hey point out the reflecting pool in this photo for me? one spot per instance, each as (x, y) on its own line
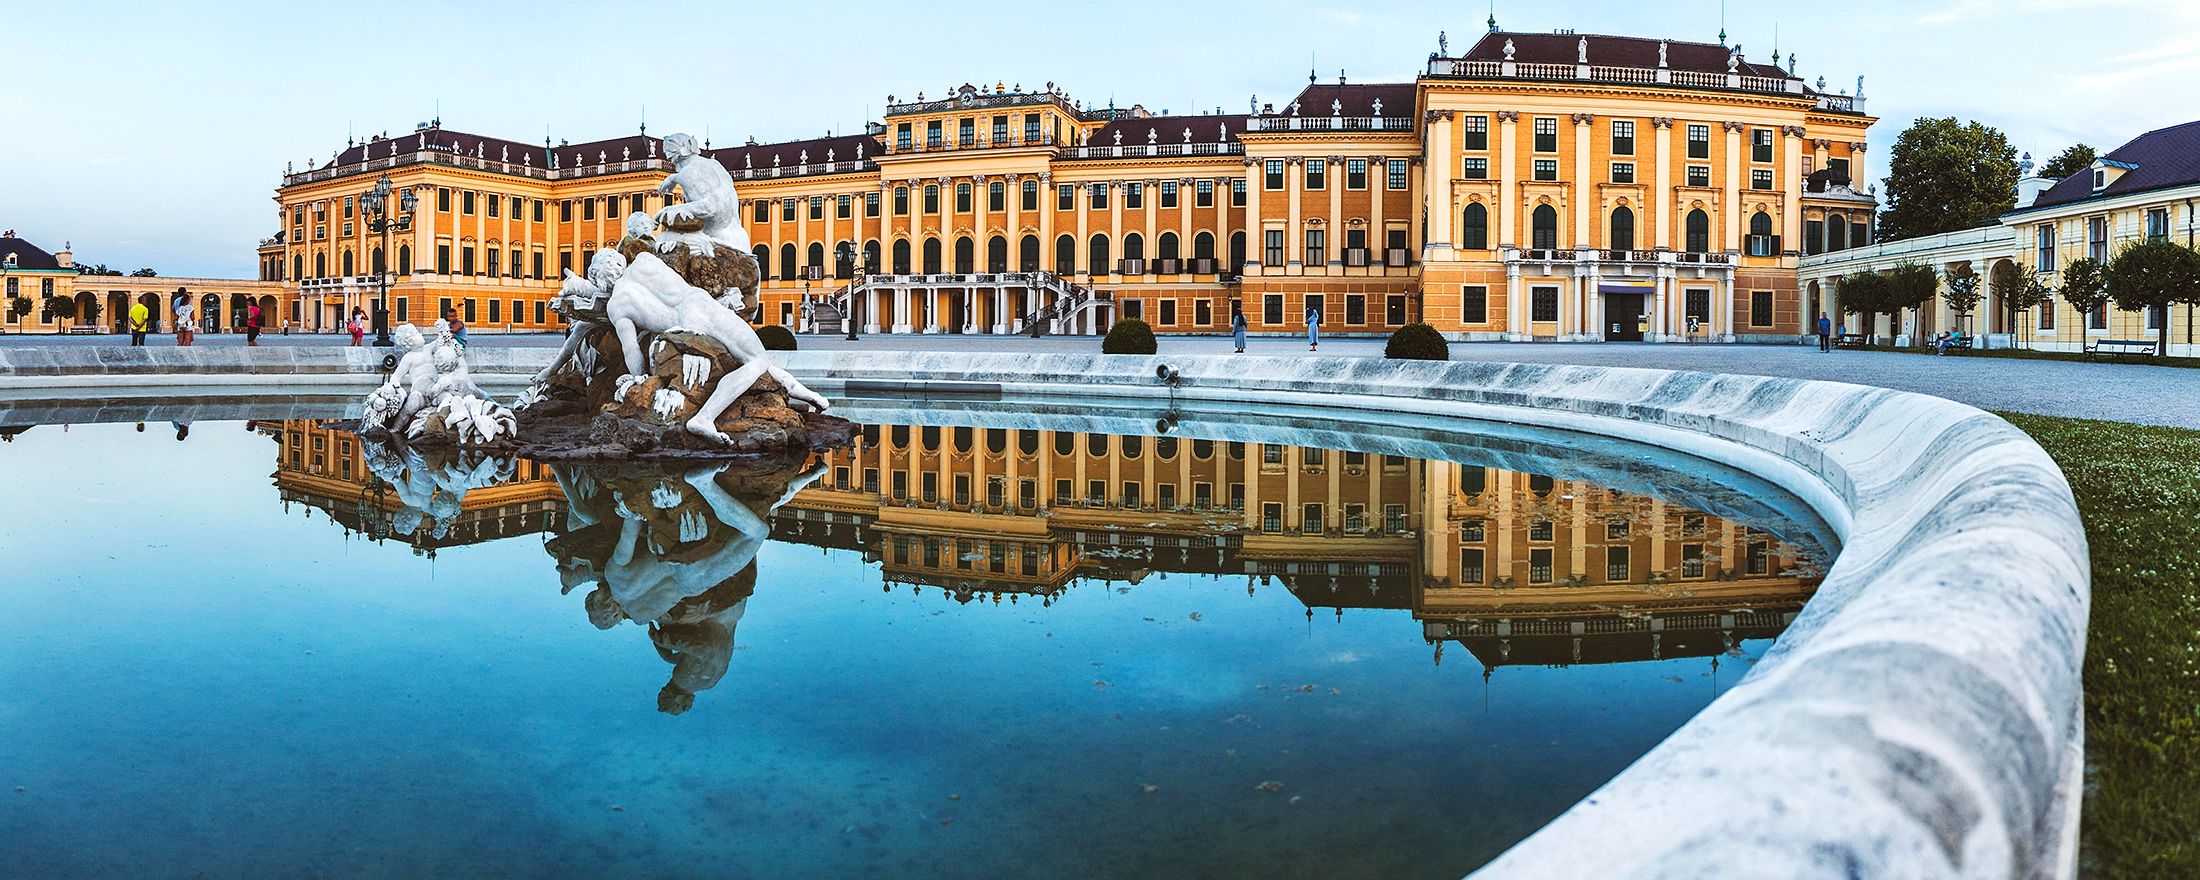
(981, 643)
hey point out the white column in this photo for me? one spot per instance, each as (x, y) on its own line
(1508, 192)
(1516, 306)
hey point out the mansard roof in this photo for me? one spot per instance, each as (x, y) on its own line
(1610, 51)
(28, 257)
(2159, 159)
(1357, 100)
(792, 154)
(442, 140)
(1221, 129)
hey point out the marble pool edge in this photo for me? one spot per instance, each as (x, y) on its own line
(1921, 718)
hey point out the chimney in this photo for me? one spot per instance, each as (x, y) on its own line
(66, 259)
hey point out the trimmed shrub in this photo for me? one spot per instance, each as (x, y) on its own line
(1128, 336)
(1417, 342)
(775, 338)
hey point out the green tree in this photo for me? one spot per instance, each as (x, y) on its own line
(144, 273)
(1962, 294)
(1864, 294)
(2151, 275)
(57, 309)
(88, 311)
(2018, 288)
(2084, 286)
(97, 269)
(1944, 176)
(21, 306)
(2076, 158)
(1909, 286)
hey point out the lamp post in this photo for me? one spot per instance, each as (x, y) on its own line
(375, 206)
(847, 257)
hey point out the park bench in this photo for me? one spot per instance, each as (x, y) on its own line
(1962, 341)
(2120, 347)
(1849, 340)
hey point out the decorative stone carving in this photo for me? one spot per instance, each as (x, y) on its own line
(1582, 51)
(431, 398)
(1508, 49)
(1584, 118)
(1730, 125)
(1794, 131)
(1661, 122)
(1822, 144)
(1434, 115)
(1661, 53)
(1508, 116)
(1857, 146)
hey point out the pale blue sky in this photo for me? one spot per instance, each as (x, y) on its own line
(154, 134)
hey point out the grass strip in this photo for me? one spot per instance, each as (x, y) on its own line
(2138, 488)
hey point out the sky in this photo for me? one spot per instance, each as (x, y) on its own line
(154, 134)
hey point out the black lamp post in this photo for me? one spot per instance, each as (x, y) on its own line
(375, 205)
(847, 257)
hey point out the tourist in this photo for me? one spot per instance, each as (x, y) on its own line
(1237, 328)
(1313, 328)
(183, 429)
(252, 318)
(358, 328)
(1825, 333)
(458, 327)
(139, 314)
(184, 325)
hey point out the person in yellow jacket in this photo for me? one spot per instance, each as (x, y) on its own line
(140, 318)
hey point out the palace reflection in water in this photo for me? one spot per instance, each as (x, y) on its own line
(1517, 568)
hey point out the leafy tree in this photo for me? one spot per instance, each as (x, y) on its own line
(1865, 294)
(1128, 336)
(1910, 285)
(58, 308)
(1962, 294)
(1944, 176)
(1417, 341)
(2018, 288)
(2151, 275)
(2076, 158)
(144, 273)
(97, 269)
(2084, 285)
(21, 305)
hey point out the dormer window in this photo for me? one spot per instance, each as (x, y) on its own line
(2100, 179)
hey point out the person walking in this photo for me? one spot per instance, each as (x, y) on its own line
(358, 327)
(1237, 328)
(1313, 328)
(185, 321)
(252, 318)
(1825, 333)
(139, 315)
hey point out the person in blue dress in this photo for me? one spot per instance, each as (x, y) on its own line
(1237, 329)
(1313, 329)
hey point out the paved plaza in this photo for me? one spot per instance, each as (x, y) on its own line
(2116, 391)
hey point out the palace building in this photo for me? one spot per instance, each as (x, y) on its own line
(1535, 187)
(101, 303)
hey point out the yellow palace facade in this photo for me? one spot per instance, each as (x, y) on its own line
(1534, 187)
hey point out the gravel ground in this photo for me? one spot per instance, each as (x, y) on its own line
(2115, 391)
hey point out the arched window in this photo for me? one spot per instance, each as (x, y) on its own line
(1837, 232)
(1134, 246)
(1699, 231)
(996, 440)
(1237, 253)
(1165, 247)
(1762, 243)
(1203, 246)
(1474, 227)
(1027, 260)
(348, 267)
(320, 265)
(844, 260)
(1065, 443)
(1760, 223)
(1545, 231)
(298, 266)
(1065, 255)
(996, 254)
(787, 268)
(379, 266)
(1096, 445)
(817, 254)
(404, 259)
(901, 256)
(1623, 229)
(870, 256)
(763, 261)
(931, 256)
(1027, 441)
(966, 256)
(1096, 259)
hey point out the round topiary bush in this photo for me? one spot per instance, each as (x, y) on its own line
(1417, 342)
(775, 338)
(1128, 336)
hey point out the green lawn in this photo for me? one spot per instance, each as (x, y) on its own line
(2026, 354)
(2139, 491)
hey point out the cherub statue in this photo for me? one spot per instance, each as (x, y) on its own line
(406, 391)
(649, 295)
(710, 218)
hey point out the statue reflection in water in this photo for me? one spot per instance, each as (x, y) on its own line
(430, 483)
(675, 550)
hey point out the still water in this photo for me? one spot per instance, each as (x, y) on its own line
(957, 650)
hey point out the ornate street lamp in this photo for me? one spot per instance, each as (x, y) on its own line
(847, 257)
(375, 205)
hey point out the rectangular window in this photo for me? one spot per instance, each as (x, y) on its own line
(1477, 129)
(1271, 306)
(786, 210)
(1168, 194)
(1546, 134)
(962, 198)
(1397, 174)
(565, 263)
(1203, 194)
(870, 204)
(442, 259)
(2047, 314)
(929, 484)
(1272, 249)
(1355, 174)
(901, 485)
(1474, 304)
(760, 211)
(1098, 195)
(1030, 199)
(1760, 178)
(538, 210)
(1310, 519)
(495, 204)
(932, 137)
(1760, 308)
(1000, 130)
(492, 264)
(931, 198)
(1760, 145)
(611, 207)
(1698, 305)
(1272, 174)
(542, 312)
(1623, 137)
(1168, 311)
(2157, 224)
(1031, 128)
(1757, 558)
(1134, 196)
(1699, 142)
(1131, 495)
(966, 132)
(468, 312)
(996, 194)
(1623, 172)
(1543, 305)
(1064, 492)
(1271, 517)
(1065, 197)
(565, 211)
(903, 140)
(442, 200)
(495, 315)
(1476, 169)
(466, 202)
(1470, 567)
(1355, 309)
(1027, 493)
(1615, 564)
(843, 207)
(1699, 175)
(1546, 169)
(1539, 565)
(1841, 165)
(962, 489)
(1237, 193)
(1096, 492)
(1691, 560)
(1317, 174)
(2044, 252)
(1317, 247)
(2096, 239)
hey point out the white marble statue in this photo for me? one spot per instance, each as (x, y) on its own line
(710, 218)
(649, 295)
(431, 380)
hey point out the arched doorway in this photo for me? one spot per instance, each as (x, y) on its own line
(966, 256)
(1028, 259)
(118, 311)
(88, 310)
(210, 313)
(153, 319)
(268, 318)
